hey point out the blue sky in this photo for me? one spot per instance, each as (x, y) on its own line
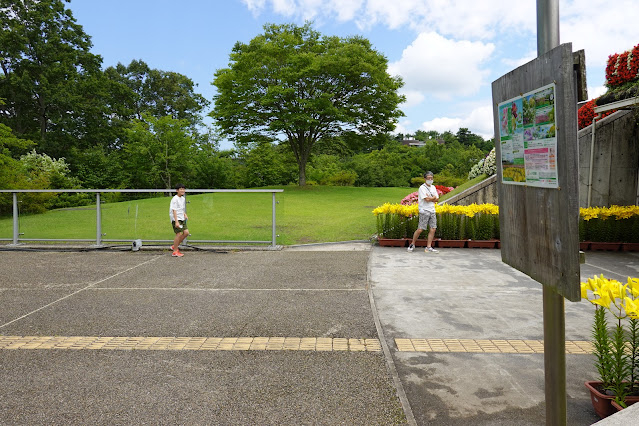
(447, 51)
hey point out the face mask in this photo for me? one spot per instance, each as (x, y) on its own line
(429, 182)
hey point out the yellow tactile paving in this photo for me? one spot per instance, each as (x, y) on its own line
(487, 346)
(315, 344)
(190, 343)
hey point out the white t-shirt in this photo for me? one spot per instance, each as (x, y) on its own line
(427, 191)
(178, 204)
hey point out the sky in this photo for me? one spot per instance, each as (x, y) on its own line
(448, 52)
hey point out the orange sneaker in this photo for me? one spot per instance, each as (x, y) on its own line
(176, 253)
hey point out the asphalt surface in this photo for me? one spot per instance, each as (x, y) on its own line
(333, 291)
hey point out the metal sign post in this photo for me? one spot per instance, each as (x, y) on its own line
(535, 118)
(553, 304)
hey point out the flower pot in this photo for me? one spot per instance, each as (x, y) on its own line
(605, 246)
(392, 242)
(482, 243)
(619, 407)
(615, 405)
(630, 246)
(451, 243)
(601, 402)
(584, 245)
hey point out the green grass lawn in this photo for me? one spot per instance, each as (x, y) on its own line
(303, 215)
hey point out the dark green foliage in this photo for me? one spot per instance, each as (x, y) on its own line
(633, 338)
(601, 347)
(449, 226)
(48, 71)
(621, 368)
(266, 164)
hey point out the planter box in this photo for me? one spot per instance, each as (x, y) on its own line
(602, 403)
(619, 407)
(630, 246)
(392, 242)
(605, 246)
(584, 245)
(482, 244)
(422, 242)
(450, 243)
(615, 405)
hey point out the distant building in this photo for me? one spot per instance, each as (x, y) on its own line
(413, 142)
(417, 143)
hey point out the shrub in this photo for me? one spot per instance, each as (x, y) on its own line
(342, 178)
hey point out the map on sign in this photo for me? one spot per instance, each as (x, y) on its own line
(528, 138)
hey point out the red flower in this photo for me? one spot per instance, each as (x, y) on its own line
(622, 68)
(586, 114)
(441, 190)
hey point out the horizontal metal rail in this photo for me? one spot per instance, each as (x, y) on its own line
(112, 240)
(99, 240)
(159, 191)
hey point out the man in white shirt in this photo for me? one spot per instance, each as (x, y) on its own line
(177, 211)
(427, 196)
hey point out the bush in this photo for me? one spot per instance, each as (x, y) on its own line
(486, 166)
(417, 182)
(342, 178)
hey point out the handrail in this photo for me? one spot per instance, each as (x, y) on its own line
(98, 240)
(140, 190)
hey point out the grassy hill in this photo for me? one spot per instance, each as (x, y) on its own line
(303, 215)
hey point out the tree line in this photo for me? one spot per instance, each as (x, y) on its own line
(300, 108)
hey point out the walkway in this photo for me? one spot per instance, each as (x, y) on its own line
(318, 334)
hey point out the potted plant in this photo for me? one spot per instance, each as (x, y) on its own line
(616, 349)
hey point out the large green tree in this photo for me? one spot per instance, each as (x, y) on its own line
(157, 151)
(46, 71)
(293, 85)
(158, 93)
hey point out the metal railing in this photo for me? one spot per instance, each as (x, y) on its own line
(98, 238)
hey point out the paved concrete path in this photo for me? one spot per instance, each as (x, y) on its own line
(466, 330)
(317, 334)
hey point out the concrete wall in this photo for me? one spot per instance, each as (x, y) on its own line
(616, 161)
(483, 192)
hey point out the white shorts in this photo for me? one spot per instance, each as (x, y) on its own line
(427, 219)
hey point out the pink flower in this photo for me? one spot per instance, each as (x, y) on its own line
(410, 199)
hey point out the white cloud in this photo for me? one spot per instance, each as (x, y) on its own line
(403, 127)
(413, 98)
(441, 67)
(285, 7)
(461, 18)
(345, 10)
(442, 124)
(517, 62)
(596, 91)
(254, 6)
(602, 28)
(478, 121)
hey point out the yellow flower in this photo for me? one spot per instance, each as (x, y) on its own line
(619, 212)
(631, 307)
(603, 299)
(584, 291)
(633, 286)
